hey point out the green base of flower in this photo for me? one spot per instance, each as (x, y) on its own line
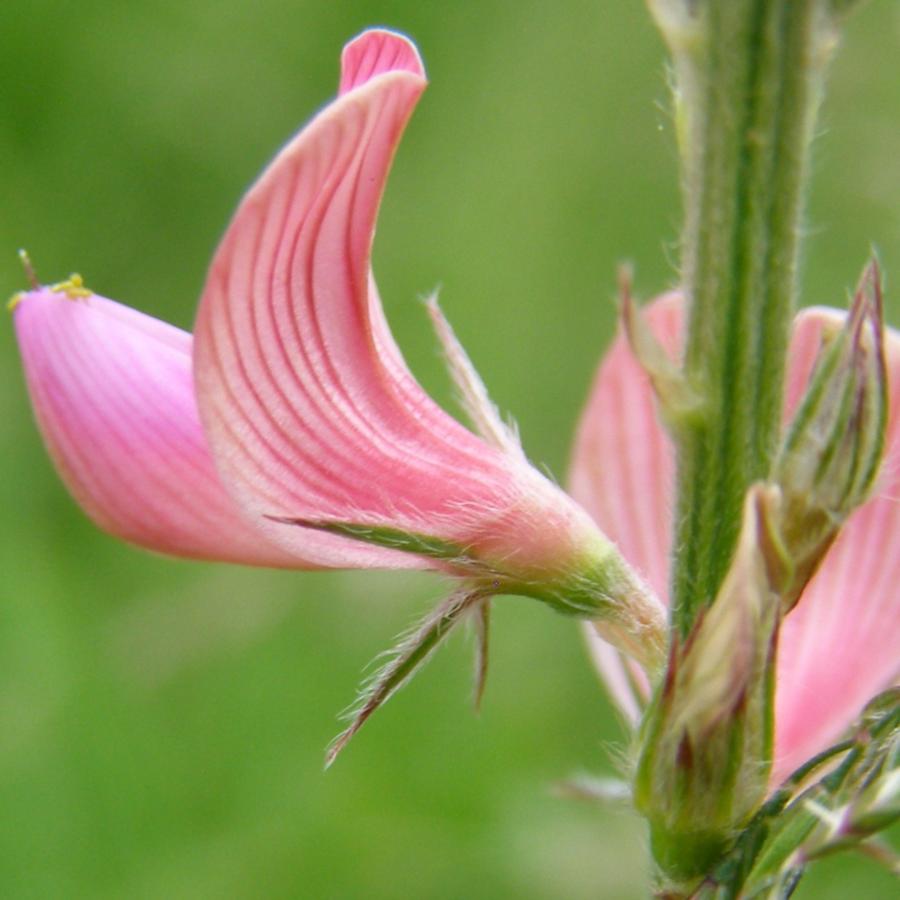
(686, 856)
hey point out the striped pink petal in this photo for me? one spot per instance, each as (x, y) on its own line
(841, 644)
(112, 391)
(310, 409)
(622, 472)
(623, 462)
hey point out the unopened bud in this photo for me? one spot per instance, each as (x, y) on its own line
(707, 740)
(830, 457)
(861, 795)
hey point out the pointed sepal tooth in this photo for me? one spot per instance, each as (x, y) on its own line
(473, 395)
(409, 655)
(679, 403)
(829, 460)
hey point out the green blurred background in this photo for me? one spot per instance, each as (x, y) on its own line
(162, 724)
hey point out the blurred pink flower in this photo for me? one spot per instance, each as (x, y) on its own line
(841, 644)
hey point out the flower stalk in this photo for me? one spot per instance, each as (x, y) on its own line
(752, 522)
(747, 79)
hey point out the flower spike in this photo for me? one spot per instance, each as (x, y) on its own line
(849, 608)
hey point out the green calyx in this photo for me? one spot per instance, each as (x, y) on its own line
(592, 581)
(390, 538)
(706, 739)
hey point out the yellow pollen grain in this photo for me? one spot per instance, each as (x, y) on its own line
(15, 300)
(73, 287)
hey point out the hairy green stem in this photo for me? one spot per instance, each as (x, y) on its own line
(747, 85)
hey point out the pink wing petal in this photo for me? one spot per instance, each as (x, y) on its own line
(616, 671)
(310, 408)
(113, 395)
(841, 644)
(622, 473)
(623, 461)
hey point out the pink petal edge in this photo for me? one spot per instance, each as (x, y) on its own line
(377, 51)
(840, 645)
(621, 472)
(623, 465)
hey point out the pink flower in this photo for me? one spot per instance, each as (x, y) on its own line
(841, 644)
(291, 413)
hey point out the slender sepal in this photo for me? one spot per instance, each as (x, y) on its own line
(482, 621)
(473, 394)
(405, 659)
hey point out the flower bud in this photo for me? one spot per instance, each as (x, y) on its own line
(829, 460)
(707, 737)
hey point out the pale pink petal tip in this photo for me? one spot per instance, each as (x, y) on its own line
(113, 395)
(612, 668)
(376, 52)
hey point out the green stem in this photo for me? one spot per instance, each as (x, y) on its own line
(747, 86)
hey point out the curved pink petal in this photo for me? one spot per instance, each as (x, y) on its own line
(841, 644)
(310, 409)
(112, 391)
(622, 472)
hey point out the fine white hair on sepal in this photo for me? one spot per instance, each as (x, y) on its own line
(474, 397)
(411, 652)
